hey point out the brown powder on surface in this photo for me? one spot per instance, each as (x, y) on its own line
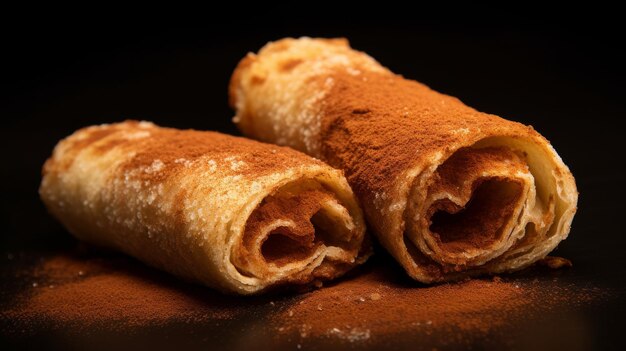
(375, 303)
(69, 289)
(259, 159)
(182, 145)
(111, 297)
(381, 303)
(377, 125)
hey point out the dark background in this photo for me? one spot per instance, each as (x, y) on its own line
(562, 73)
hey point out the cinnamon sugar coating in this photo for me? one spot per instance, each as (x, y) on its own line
(189, 202)
(448, 190)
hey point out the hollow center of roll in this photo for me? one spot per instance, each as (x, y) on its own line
(471, 203)
(478, 224)
(281, 247)
(293, 226)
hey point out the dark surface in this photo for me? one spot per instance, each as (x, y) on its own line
(565, 78)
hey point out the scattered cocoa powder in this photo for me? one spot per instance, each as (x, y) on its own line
(70, 289)
(375, 303)
(381, 303)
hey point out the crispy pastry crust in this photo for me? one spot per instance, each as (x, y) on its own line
(232, 213)
(448, 190)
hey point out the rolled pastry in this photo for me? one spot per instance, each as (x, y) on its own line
(232, 213)
(449, 191)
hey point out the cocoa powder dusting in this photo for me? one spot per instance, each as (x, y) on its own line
(253, 159)
(376, 303)
(84, 292)
(377, 125)
(381, 304)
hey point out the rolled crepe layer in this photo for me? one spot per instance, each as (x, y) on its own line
(448, 190)
(232, 213)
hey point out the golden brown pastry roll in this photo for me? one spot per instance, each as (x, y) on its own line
(449, 191)
(232, 213)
